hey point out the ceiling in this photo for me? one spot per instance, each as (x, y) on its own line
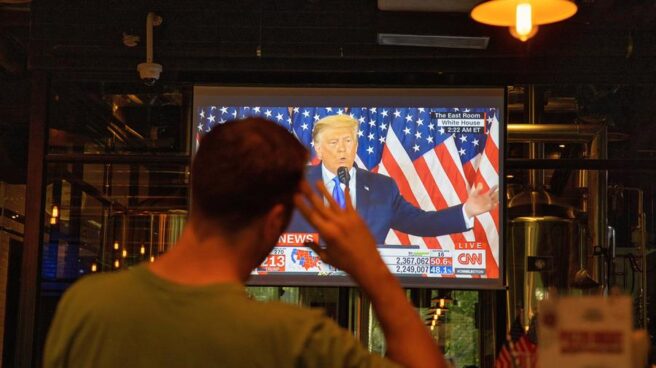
(607, 41)
(604, 53)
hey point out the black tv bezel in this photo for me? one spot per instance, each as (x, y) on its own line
(337, 96)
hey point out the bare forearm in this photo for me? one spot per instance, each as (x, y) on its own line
(408, 341)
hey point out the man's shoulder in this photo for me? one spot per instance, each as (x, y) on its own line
(285, 312)
(98, 288)
(374, 178)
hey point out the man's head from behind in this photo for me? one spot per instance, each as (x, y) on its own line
(242, 171)
(335, 140)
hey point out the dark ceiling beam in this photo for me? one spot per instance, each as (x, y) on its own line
(14, 18)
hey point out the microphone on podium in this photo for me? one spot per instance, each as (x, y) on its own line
(343, 175)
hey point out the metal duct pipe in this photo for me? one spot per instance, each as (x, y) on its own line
(553, 132)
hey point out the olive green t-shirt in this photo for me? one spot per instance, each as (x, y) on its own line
(136, 319)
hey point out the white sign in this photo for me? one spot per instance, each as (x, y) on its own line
(585, 332)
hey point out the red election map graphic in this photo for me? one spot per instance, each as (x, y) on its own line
(305, 258)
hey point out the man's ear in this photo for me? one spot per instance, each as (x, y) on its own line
(275, 222)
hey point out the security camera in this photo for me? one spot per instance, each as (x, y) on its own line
(149, 72)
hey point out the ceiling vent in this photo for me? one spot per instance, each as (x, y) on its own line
(464, 6)
(452, 42)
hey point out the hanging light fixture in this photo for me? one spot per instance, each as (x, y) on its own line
(523, 16)
(54, 214)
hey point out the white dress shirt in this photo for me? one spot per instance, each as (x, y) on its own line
(328, 177)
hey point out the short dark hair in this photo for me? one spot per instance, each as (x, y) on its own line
(242, 169)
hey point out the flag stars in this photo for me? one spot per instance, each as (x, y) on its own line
(463, 138)
(429, 139)
(371, 136)
(384, 113)
(224, 110)
(234, 114)
(279, 117)
(415, 148)
(397, 114)
(202, 114)
(421, 109)
(408, 118)
(268, 113)
(431, 126)
(211, 118)
(418, 135)
(360, 133)
(316, 117)
(381, 139)
(340, 111)
(475, 142)
(462, 152)
(441, 130)
(370, 150)
(295, 110)
(383, 126)
(490, 119)
(406, 130)
(420, 122)
(200, 127)
(329, 109)
(372, 123)
(304, 126)
(306, 113)
(256, 109)
(361, 119)
(372, 110)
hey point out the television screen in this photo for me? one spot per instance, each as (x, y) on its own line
(414, 159)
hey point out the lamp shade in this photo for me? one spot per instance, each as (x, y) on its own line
(504, 12)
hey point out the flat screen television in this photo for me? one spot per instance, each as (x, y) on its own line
(434, 144)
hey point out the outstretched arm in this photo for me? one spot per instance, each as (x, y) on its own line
(451, 220)
(351, 248)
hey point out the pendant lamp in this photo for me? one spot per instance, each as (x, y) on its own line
(523, 16)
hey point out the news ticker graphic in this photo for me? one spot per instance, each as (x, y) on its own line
(466, 259)
(461, 122)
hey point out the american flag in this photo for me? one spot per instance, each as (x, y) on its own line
(210, 116)
(433, 168)
(518, 351)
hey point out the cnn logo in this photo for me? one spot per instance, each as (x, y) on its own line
(470, 258)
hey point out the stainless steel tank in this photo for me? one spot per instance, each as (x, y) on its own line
(543, 252)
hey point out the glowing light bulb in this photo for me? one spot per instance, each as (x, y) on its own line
(94, 267)
(124, 253)
(116, 245)
(142, 250)
(55, 211)
(152, 258)
(117, 264)
(523, 21)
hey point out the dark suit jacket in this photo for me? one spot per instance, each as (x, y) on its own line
(380, 203)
